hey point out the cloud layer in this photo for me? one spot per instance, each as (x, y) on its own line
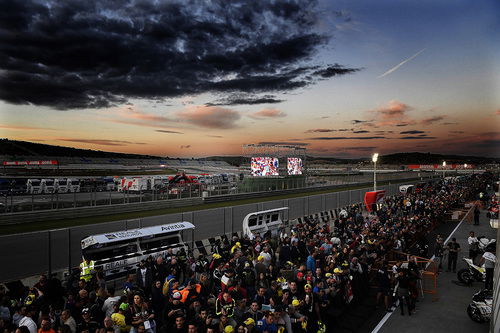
(210, 117)
(91, 54)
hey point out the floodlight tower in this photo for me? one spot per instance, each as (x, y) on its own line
(374, 160)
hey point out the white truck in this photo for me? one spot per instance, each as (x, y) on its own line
(33, 186)
(67, 185)
(47, 185)
(61, 185)
(73, 185)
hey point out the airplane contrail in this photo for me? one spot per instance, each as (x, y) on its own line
(401, 64)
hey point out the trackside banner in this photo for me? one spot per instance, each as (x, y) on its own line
(440, 167)
(10, 163)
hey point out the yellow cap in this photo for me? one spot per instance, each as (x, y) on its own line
(238, 244)
(259, 258)
(328, 275)
(295, 302)
(337, 271)
(308, 286)
(249, 321)
(216, 256)
(229, 329)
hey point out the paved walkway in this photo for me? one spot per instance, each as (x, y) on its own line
(448, 312)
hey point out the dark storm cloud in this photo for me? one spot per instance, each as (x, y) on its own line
(102, 142)
(283, 143)
(326, 138)
(248, 100)
(334, 70)
(320, 130)
(357, 121)
(168, 132)
(417, 137)
(359, 148)
(92, 54)
(412, 132)
(488, 143)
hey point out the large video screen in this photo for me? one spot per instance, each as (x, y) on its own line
(264, 166)
(294, 166)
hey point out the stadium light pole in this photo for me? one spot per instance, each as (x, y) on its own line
(374, 160)
(444, 171)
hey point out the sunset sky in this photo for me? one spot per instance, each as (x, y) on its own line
(200, 78)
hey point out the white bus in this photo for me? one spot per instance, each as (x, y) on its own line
(264, 221)
(119, 252)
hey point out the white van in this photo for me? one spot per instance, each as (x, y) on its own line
(264, 221)
(119, 252)
(406, 189)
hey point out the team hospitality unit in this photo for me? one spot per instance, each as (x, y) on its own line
(302, 280)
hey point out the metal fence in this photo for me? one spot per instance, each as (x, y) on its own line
(34, 253)
(90, 197)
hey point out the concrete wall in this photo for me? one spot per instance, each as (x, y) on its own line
(34, 253)
(495, 316)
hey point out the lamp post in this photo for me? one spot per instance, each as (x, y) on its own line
(374, 160)
(444, 166)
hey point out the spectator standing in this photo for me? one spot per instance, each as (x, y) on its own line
(453, 249)
(27, 321)
(477, 213)
(45, 326)
(144, 278)
(438, 254)
(473, 246)
(66, 319)
(489, 258)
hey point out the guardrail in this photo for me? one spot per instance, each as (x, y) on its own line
(36, 216)
(89, 211)
(251, 195)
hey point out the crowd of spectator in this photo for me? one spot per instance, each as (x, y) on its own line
(298, 280)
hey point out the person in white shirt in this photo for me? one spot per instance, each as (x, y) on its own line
(473, 246)
(110, 302)
(27, 321)
(267, 256)
(489, 258)
(66, 319)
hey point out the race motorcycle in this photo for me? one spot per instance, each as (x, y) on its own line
(471, 273)
(479, 310)
(485, 244)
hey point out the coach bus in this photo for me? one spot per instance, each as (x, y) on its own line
(119, 252)
(264, 221)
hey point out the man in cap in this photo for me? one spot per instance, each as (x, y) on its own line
(87, 323)
(174, 308)
(249, 324)
(260, 267)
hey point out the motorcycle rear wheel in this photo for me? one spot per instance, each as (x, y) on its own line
(475, 314)
(465, 276)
